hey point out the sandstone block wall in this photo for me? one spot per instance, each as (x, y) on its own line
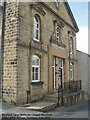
(17, 76)
(10, 53)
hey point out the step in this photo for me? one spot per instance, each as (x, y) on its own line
(42, 106)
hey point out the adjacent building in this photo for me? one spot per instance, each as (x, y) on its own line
(39, 49)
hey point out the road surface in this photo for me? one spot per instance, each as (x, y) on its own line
(80, 110)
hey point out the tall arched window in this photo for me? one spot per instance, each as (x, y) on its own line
(36, 28)
(35, 68)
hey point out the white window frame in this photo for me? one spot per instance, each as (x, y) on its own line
(36, 66)
(36, 27)
(62, 67)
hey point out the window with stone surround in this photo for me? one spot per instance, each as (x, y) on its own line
(58, 33)
(35, 68)
(36, 26)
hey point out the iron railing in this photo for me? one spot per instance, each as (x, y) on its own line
(71, 86)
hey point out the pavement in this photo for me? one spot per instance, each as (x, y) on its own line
(42, 106)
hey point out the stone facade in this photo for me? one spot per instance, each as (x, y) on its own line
(19, 48)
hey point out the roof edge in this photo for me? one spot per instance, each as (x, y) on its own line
(72, 16)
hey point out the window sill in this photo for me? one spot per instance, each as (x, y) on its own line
(37, 83)
(37, 40)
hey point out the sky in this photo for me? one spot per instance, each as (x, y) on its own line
(80, 12)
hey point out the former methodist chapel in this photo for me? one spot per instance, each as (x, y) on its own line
(39, 49)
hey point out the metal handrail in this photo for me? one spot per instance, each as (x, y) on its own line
(73, 86)
(60, 95)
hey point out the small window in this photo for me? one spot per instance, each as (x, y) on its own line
(35, 68)
(57, 34)
(36, 28)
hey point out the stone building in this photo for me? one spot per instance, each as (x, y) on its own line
(83, 71)
(39, 49)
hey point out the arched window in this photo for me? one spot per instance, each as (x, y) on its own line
(35, 68)
(36, 28)
(57, 33)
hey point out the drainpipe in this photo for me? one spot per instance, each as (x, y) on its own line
(2, 42)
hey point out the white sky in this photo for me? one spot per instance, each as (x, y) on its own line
(82, 39)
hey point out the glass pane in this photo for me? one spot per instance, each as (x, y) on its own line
(71, 66)
(36, 19)
(53, 60)
(37, 73)
(37, 25)
(33, 62)
(38, 62)
(57, 34)
(33, 73)
(61, 62)
(57, 30)
(34, 32)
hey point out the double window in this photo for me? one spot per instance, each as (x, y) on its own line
(35, 68)
(36, 28)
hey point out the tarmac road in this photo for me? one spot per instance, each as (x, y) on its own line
(80, 110)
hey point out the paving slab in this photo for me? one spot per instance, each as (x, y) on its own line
(41, 106)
